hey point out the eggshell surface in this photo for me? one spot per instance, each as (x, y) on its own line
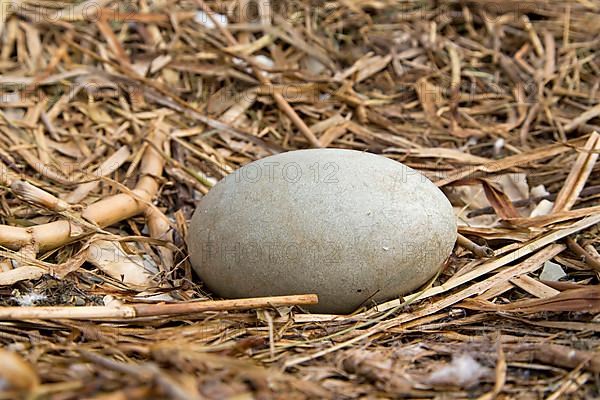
(353, 227)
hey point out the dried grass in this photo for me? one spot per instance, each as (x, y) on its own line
(116, 117)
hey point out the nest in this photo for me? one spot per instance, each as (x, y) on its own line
(116, 118)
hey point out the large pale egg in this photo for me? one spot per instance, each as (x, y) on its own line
(353, 227)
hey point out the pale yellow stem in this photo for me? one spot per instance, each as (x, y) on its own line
(104, 212)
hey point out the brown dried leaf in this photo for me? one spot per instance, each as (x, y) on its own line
(133, 270)
(499, 200)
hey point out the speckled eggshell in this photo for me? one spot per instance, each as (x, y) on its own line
(353, 227)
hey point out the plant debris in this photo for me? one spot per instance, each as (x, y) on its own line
(117, 117)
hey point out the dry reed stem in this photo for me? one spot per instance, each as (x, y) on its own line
(468, 244)
(104, 212)
(152, 310)
(578, 175)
